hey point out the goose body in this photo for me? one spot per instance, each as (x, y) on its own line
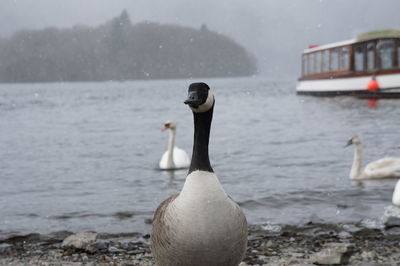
(174, 157)
(201, 226)
(388, 167)
(396, 194)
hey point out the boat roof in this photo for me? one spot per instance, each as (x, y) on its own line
(377, 34)
(371, 35)
(330, 45)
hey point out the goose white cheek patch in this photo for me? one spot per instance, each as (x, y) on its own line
(205, 106)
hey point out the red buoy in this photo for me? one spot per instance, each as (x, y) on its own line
(373, 84)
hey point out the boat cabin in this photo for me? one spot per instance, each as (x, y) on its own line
(351, 64)
(352, 57)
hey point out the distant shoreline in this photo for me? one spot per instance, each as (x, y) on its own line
(292, 245)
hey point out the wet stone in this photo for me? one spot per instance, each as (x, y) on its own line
(367, 232)
(367, 255)
(392, 222)
(344, 234)
(333, 253)
(114, 250)
(101, 245)
(268, 244)
(81, 241)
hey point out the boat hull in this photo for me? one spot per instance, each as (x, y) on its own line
(356, 86)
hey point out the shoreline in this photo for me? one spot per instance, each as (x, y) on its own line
(308, 244)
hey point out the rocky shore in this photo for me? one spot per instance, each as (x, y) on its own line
(308, 244)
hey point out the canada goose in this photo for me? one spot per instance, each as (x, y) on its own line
(396, 194)
(388, 167)
(201, 226)
(173, 158)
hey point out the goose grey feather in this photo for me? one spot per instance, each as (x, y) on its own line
(199, 228)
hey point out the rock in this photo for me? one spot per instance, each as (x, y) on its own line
(333, 253)
(115, 250)
(344, 234)
(393, 233)
(392, 222)
(368, 255)
(83, 241)
(101, 245)
(367, 232)
(267, 244)
(56, 254)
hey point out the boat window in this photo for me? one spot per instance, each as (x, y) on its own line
(398, 54)
(371, 56)
(304, 65)
(325, 61)
(359, 58)
(334, 60)
(344, 58)
(311, 64)
(318, 57)
(386, 53)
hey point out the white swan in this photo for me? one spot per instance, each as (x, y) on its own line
(396, 194)
(173, 158)
(388, 167)
(201, 226)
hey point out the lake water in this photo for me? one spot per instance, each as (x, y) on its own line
(83, 156)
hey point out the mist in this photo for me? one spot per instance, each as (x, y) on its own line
(274, 31)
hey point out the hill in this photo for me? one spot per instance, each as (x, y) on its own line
(118, 50)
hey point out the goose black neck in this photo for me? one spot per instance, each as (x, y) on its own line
(202, 126)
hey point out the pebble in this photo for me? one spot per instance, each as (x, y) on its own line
(333, 253)
(82, 241)
(291, 246)
(115, 250)
(392, 222)
(367, 255)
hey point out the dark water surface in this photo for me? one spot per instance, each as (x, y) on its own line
(83, 156)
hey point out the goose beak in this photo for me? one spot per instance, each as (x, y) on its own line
(193, 99)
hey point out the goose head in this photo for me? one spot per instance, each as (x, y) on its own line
(200, 99)
(355, 139)
(169, 125)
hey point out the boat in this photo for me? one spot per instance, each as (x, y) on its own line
(367, 66)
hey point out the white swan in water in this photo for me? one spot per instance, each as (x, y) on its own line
(201, 226)
(396, 194)
(173, 158)
(388, 167)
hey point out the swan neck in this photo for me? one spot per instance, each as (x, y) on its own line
(356, 168)
(202, 126)
(396, 194)
(171, 145)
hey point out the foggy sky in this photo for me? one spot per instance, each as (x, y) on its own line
(274, 31)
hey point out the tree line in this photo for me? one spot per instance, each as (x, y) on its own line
(119, 50)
